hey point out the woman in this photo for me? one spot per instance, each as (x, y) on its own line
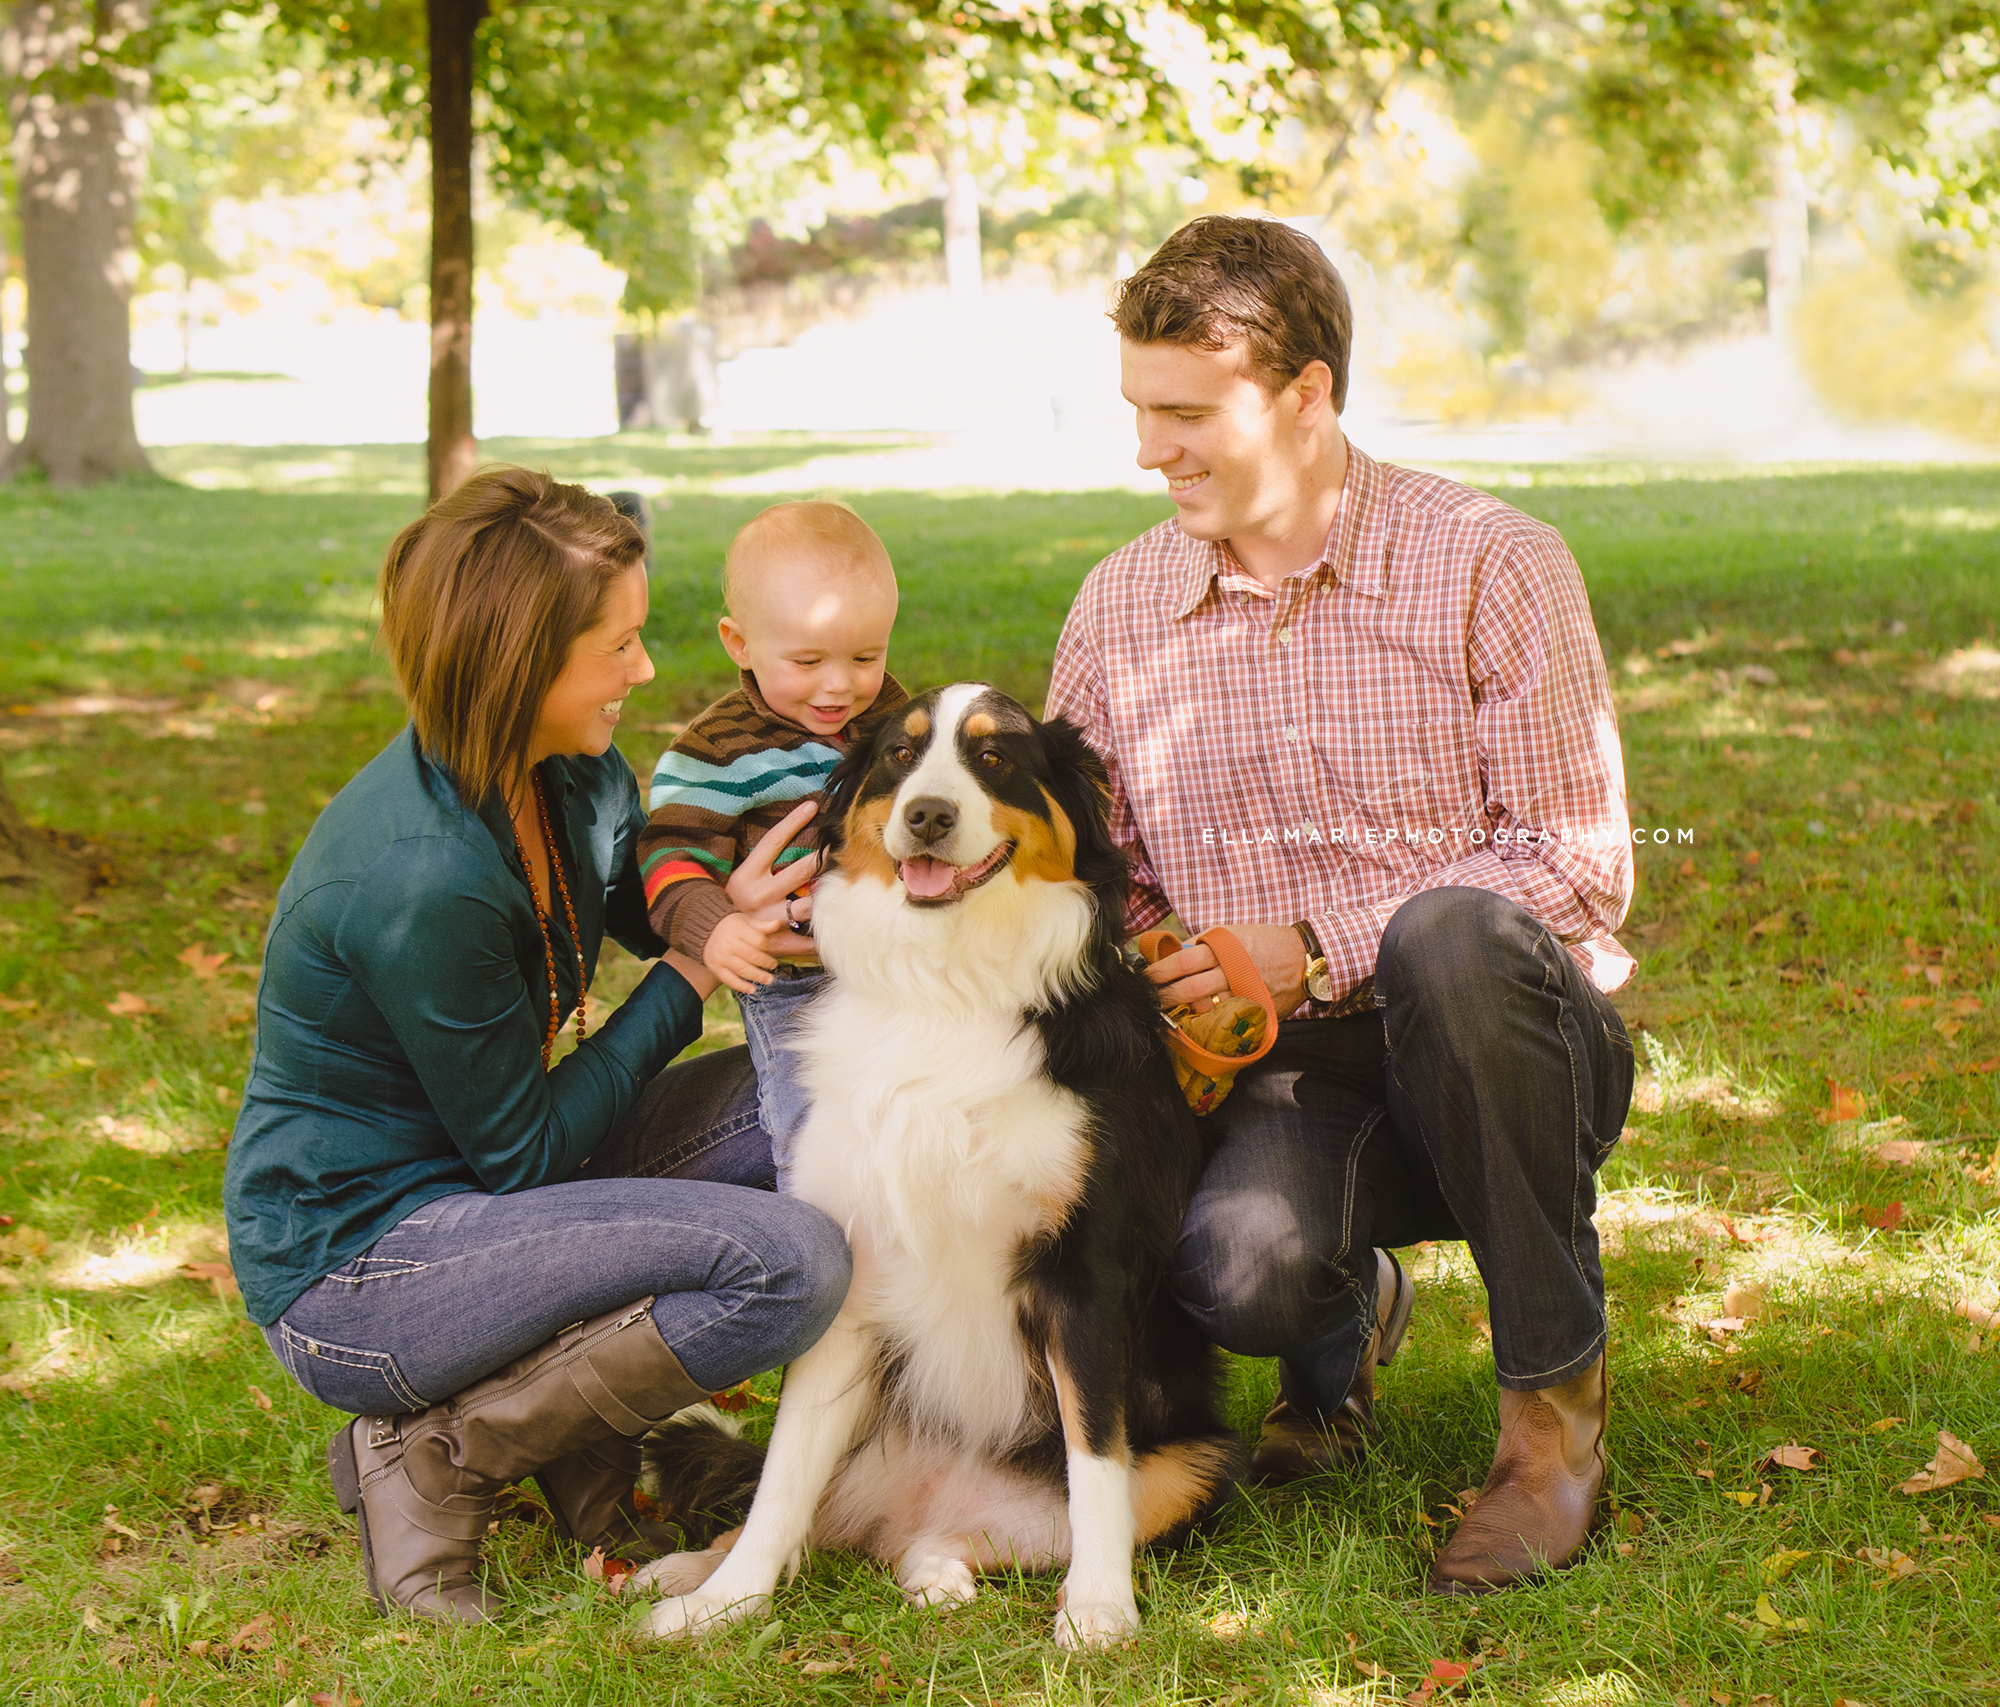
(404, 1216)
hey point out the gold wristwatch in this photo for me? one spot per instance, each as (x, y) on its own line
(1319, 980)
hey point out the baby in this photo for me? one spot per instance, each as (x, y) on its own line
(811, 598)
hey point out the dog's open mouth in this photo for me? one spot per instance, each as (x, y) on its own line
(936, 883)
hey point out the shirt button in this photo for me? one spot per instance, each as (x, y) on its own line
(1284, 637)
(1291, 733)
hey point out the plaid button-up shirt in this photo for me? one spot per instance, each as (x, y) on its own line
(1424, 705)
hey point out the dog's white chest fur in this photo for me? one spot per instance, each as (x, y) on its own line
(938, 1144)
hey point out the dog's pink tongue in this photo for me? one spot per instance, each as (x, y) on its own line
(927, 878)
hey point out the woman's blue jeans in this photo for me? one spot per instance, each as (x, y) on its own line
(743, 1280)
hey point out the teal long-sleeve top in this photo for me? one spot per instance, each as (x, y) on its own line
(402, 1009)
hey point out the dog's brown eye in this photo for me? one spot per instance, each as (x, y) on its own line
(990, 759)
(903, 754)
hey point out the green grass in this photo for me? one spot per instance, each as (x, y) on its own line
(186, 675)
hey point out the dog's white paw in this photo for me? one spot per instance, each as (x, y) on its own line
(701, 1613)
(678, 1573)
(1094, 1624)
(939, 1580)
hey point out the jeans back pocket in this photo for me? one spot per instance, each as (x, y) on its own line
(349, 1378)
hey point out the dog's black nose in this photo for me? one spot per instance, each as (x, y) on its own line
(930, 819)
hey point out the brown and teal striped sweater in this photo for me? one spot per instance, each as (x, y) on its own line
(735, 771)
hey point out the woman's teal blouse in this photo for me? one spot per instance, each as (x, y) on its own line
(403, 1005)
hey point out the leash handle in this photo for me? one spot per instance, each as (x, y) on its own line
(1244, 980)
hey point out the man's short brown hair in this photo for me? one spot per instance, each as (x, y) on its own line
(482, 597)
(1222, 280)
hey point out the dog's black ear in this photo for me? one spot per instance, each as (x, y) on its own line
(828, 828)
(1082, 788)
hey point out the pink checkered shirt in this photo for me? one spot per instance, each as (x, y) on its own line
(1425, 705)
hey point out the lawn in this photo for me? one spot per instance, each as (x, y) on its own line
(1803, 1222)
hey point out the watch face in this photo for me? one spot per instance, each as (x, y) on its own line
(1319, 982)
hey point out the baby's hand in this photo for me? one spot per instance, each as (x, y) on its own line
(739, 951)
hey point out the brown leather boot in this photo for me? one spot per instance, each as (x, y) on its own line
(590, 1495)
(1535, 1511)
(423, 1485)
(1293, 1443)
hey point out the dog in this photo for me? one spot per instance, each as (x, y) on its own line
(996, 1125)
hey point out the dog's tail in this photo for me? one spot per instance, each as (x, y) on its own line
(700, 1473)
(1179, 1486)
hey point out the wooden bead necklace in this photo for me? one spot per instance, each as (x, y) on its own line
(542, 919)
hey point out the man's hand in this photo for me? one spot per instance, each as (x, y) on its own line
(1192, 976)
(739, 951)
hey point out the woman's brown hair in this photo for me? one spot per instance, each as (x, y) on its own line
(482, 597)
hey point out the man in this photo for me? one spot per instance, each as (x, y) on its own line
(1359, 715)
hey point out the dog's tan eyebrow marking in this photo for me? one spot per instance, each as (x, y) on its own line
(918, 723)
(980, 723)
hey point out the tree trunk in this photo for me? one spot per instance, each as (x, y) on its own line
(453, 449)
(29, 859)
(1791, 236)
(6, 426)
(79, 156)
(962, 263)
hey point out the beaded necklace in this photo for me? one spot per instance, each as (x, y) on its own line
(542, 919)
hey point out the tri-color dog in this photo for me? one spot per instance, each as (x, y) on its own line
(996, 1126)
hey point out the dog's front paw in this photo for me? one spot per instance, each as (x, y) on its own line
(1094, 1623)
(939, 1580)
(701, 1613)
(678, 1573)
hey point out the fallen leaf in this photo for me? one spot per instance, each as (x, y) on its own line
(1909, 1004)
(1790, 1456)
(1769, 1616)
(1744, 1299)
(738, 1398)
(390, 1639)
(1902, 1152)
(1742, 1497)
(1848, 1701)
(1898, 1564)
(1979, 1315)
(1885, 1424)
(1843, 1103)
(128, 1006)
(255, 1636)
(1987, 1066)
(204, 966)
(1781, 1565)
(1771, 924)
(219, 1275)
(1968, 1005)
(260, 1398)
(822, 1668)
(1955, 1462)
(1914, 1076)
(1947, 1028)
(1886, 1219)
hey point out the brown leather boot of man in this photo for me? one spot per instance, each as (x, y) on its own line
(422, 1486)
(1535, 1511)
(1294, 1443)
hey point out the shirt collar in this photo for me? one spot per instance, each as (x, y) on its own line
(1355, 554)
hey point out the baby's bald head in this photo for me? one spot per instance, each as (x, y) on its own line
(814, 538)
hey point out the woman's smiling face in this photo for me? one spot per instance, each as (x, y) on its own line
(605, 663)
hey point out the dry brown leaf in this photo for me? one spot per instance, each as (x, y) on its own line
(1979, 1315)
(1771, 924)
(260, 1398)
(1885, 1424)
(1967, 1005)
(1790, 1456)
(1955, 1462)
(1744, 1299)
(200, 962)
(1843, 1103)
(1910, 1004)
(128, 1006)
(1885, 1219)
(1990, 1064)
(220, 1277)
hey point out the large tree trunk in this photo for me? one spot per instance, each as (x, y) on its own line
(453, 449)
(79, 156)
(29, 858)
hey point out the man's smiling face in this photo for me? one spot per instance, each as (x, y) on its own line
(1231, 449)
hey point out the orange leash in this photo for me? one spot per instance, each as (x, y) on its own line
(1244, 980)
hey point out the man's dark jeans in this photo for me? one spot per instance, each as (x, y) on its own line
(1475, 1103)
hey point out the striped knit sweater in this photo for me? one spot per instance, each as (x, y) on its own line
(735, 771)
